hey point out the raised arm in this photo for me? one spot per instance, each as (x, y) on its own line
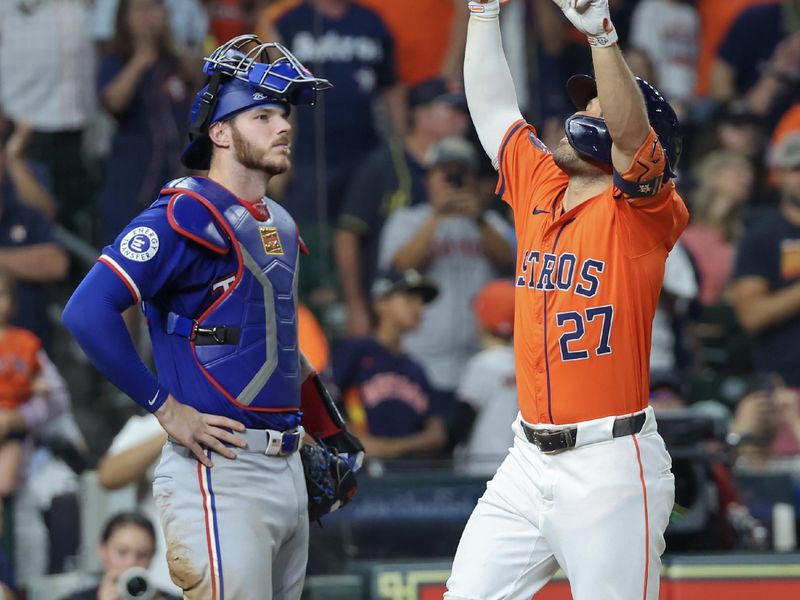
(623, 105)
(490, 91)
(621, 101)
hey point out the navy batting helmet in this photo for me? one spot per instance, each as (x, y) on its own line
(244, 73)
(589, 135)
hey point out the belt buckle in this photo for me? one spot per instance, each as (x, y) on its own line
(283, 443)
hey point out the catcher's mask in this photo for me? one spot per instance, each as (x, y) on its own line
(242, 74)
(589, 135)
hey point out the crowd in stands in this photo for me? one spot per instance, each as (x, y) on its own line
(408, 292)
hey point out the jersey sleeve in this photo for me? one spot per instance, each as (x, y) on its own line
(147, 254)
(651, 210)
(522, 162)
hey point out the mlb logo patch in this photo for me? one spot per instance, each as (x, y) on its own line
(271, 241)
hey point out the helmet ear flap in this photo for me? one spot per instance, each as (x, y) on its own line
(589, 137)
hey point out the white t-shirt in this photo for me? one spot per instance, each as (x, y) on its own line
(680, 281)
(489, 386)
(138, 430)
(446, 338)
(47, 63)
(670, 33)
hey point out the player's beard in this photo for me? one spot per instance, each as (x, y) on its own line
(568, 160)
(251, 156)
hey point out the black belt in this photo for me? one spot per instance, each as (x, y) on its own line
(564, 439)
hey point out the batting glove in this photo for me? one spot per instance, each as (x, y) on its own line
(592, 18)
(484, 9)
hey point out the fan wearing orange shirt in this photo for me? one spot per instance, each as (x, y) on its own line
(595, 220)
(19, 368)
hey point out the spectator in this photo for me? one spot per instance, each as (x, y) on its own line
(429, 37)
(46, 66)
(669, 30)
(766, 287)
(128, 540)
(131, 459)
(188, 21)
(392, 177)
(725, 182)
(488, 385)
(20, 355)
(716, 18)
(748, 46)
(142, 85)
(456, 242)
(26, 177)
(766, 425)
(28, 252)
(386, 393)
(679, 290)
(349, 45)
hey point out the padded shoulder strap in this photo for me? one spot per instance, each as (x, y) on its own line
(191, 219)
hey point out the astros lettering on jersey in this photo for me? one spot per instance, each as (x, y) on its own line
(587, 282)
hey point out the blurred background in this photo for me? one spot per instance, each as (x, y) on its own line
(94, 98)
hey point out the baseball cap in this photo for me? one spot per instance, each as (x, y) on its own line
(391, 282)
(436, 90)
(494, 307)
(452, 150)
(787, 154)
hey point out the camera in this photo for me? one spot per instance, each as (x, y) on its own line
(135, 584)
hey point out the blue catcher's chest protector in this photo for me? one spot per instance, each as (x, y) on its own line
(245, 342)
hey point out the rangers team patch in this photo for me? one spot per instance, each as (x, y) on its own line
(271, 240)
(139, 244)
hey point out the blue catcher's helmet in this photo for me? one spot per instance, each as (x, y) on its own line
(589, 135)
(244, 73)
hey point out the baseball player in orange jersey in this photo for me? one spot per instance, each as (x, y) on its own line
(587, 485)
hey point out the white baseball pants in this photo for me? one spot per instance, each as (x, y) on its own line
(598, 511)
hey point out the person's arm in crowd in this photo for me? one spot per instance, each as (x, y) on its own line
(496, 245)
(453, 65)
(117, 470)
(27, 187)
(37, 263)
(416, 251)
(777, 77)
(432, 438)
(758, 308)
(117, 94)
(50, 399)
(722, 80)
(347, 248)
(488, 85)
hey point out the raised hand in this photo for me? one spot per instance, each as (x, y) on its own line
(591, 17)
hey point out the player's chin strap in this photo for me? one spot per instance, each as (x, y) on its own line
(208, 102)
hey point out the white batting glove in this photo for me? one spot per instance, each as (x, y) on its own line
(592, 18)
(484, 9)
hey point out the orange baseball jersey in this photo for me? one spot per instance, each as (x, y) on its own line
(19, 365)
(587, 282)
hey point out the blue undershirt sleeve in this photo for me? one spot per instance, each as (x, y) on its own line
(93, 315)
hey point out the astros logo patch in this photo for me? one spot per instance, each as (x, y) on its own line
(139, 244)
(271, 240)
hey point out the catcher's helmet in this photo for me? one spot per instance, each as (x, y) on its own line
(589, 135)
(242, 74)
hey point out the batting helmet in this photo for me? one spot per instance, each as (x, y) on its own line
(589, 135)
(242, 74)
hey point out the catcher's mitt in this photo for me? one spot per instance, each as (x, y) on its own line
(330, 481)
